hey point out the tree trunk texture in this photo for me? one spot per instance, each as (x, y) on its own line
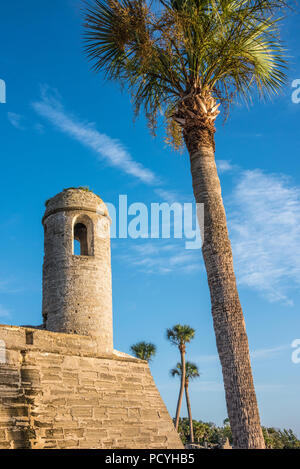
(182, 354)
(229, 325)
(188, 404)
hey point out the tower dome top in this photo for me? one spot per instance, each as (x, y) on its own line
(74, 198)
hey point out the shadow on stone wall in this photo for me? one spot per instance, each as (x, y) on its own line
(16, 403)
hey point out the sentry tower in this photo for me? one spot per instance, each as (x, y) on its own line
(77, 292)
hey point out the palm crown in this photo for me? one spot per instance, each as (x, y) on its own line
(191, 371)
(180, 335)
(212, 49)
(143, 350)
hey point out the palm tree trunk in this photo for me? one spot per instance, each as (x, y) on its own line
(182, 354)
(229, 325)
(188, 404)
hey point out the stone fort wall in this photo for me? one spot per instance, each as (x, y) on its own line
(58, 391)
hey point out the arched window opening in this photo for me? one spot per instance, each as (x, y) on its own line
(81, 247)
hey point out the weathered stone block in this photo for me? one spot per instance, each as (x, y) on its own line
(82, 411)
(109, 413)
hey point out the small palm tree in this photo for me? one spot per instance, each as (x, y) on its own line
(143, 351)
(191, 372)
(185, 59)
(180, 335)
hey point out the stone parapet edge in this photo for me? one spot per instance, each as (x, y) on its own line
(44, 341)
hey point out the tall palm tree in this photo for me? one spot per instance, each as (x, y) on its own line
(185, 58)
(143, 351)
(191, 372)
(180, 335)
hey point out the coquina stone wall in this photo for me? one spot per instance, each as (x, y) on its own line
(57, 391)
(64, 386)
(77, 290)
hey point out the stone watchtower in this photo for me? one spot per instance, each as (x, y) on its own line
(64, 386)
(77, 293)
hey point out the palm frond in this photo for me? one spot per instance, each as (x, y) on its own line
(180, 334)
(143, 350)
(220, 48)
(191, 371)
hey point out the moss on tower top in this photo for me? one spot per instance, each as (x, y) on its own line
(80, 188)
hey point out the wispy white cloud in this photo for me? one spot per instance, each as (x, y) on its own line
(269, 387)
(218, 386)
(8, 287)
(23, 123)
(3, 285)
(169, 196)
(208, 386)
(258, 354)
(39, 128)
(213, 358)
(198, 386)
(225, 166)
(4, 313)
(264, 223)
(15, 120)
(163, 258)
(269, 352)
(108, 149)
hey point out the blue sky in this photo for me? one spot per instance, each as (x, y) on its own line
(64, 126)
